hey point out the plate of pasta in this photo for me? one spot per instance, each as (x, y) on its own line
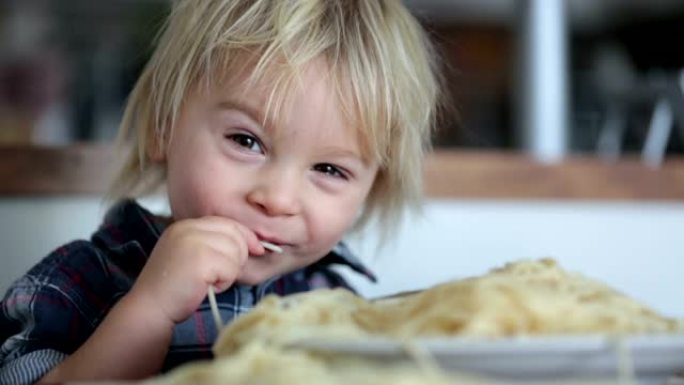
(526, 320)
(647, 358)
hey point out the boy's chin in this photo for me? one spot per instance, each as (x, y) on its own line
(248, 280)
(260, 269)
(252, 278)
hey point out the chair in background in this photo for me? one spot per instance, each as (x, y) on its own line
(622, 90)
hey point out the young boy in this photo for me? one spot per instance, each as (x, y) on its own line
(280, 121)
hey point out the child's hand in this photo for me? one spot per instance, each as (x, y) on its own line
(190, 256)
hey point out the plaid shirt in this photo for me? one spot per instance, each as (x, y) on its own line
(52, 310)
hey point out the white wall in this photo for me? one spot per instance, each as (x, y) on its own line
(636, 247)
(30, 228)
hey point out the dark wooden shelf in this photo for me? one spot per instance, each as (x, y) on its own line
(73, 169)
(500, 175)
(88, 169)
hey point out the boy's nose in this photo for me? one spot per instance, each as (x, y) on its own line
(275, 195)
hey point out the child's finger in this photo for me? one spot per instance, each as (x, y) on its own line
(226, 225)
(253, 244)
(225, 271)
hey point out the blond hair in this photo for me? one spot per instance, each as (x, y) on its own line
(381, 60)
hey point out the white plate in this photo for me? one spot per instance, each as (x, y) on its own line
(654, 358)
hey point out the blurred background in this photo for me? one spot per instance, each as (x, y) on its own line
(592, 72)
(549, 80)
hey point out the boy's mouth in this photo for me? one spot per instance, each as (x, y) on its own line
(271, 243)
(271, 247)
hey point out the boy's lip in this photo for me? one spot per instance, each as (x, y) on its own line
(271, 239)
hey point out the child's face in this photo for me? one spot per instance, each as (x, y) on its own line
(300, 185)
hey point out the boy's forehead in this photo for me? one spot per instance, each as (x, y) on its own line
(255, 93)
(270, 103)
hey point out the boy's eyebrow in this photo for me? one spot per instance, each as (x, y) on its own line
(341, 152)
(254, 113)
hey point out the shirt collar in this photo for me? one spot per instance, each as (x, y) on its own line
(126, 222)
(342, 255)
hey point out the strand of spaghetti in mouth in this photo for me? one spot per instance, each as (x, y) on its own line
(211, 293)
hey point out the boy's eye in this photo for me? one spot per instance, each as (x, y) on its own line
(247, 141)
(331, 170)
